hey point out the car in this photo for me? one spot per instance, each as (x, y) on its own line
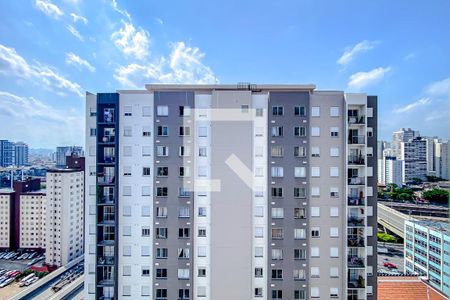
(6, 282)
(389, 265)
(32, 255)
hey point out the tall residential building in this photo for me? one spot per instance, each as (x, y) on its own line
(393, 170)
(21, 154)
(63, 152)
(381, 146)
(427, 252)
(32, 220)
(401, 136)
(65, 216)
(230, 192)
(7, 155)
(414, 157)
(442, 159)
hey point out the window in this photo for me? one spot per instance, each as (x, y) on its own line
(259, 272)
(315, 171)
(93, 132)
(146, 131)
(300, 111)
(315, 232)
(201, 251)
(183, 192)
(334, 111)
(161, 191)
(315, 191)
(299, 213)
(146, 111)
(244, 108)
(126, 270)
(161, 293)
(185, 172)
(145, 230)
(184, 131)
(202, 131)
(162, 151)
(127, 131)
(315, 131)
(334, 232)
(315, 211)
(202, 151)
(127, 150)
(161, 252)
(277, 192)
(258, 292)
(277, 212)
(259, 112)
(334, 131)
(161, 212)
(162, 131)
(126, 290)
(127, 111)
(259, 232)
(183, 233)
(299, 151)
(162, 171)
(183, 212)
(300, 294)
(145, 251)
(277, 233)
(126, 250)
(299, 254)
(259, 211)
(300, 172)
(300, 131)
(334, 272)
(277, 131)
(147, 150)
(126, 170)
(259, 131)
(277, 274)
(162, 110)
(277, 171)
(183, 294)
(184, 151)
(145, 211)
(315, 252)
(277, 254)
(299, 233)
(145, 290)
(183, 253)
(145, 171)
(202, 211)
(315, 272)
(201, 291)
(334, 211)
(92, 111)
(201, 232)
(126, 190)
(259, 171)
(277, 110)
(126, 210)
(277, 151)
(277, 294)
(259, 251)
(146, 191)
(315, 151)
(161, 233)
(201, 272)
(126, 230)
(334, 252)
(161, 273)
(299, 192)
(202, 171)
(334, 172)
(184, 111)
(259, 151)
(334, 192)
(315, 111)
(334, 293)
(334, 152)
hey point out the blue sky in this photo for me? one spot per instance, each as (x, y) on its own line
(52, 51)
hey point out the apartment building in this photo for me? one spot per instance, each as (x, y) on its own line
(230, 192)
(32, 220)
(6, 202)
(7, 154)
(414, 157)
(21, 154)
(427, 252)
(402, 136)
(393, 170)
(63, 151)
(64, 226)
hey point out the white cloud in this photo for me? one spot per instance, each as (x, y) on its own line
(77, 18)
(351, 52)
(73, 59)
(131, 41)
(363, 79)
(159, 20)
(439, 88)
(123, 12)
(49, 8)
(184, 65)
(75, 32)
(411, 106)
(12, 64)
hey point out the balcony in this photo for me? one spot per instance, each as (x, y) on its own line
(106, 243)
(355, 221)
(106, 282)
(107, 139)
(105, 260)
(356, 120)
(105, 180)
(107, 160)
(357, 140)
(355, 261)
(107, 199)
(356, 160)
(355, 201)
(356, 181)
(355, 241)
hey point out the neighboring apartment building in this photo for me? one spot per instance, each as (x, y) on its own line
(21, 154)
(65, 216)
(7, 155)
(6, 202)
(427, 252)
(64, 151)
(230, 192)
(401, 136)
(414, 157)
(32, 220)
(442, 159)
(393, 170)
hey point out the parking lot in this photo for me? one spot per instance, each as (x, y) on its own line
(394, 256)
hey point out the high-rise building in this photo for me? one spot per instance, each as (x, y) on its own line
(231, 192)
(21, 154)
(401, 136)
(414, 157)
(427, 252)
(64, 215)
(32, 220)
(381, 146)
(7, 155)
(393, 170)
(63, 152)
(442, 159)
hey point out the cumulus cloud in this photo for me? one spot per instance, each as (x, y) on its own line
(439, 88)
(75, 32)
(77, 18)
(12, 64)
(132, 42)
(48, 8)
(73, 59)
(362, 79)
(413, 105)
(184, 65)
(351, 52)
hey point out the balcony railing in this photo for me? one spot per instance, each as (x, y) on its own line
(355, 201)
(356, 120)
(355, 261)
(356, 181)
(108, 199)
(357, 284)
(355, 221)
(108, 139)
(105, 260)
(105, 180)
(355, 241)
(357, 140)
(356, 160)
(107, 281)
(108, 160)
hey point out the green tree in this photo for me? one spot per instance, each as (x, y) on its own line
(387, 238)
(436, 195)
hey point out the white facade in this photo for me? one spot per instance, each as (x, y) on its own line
(5, 216)
(64, 216)
(442, 159)
(403, 135)
(33, 220)
(393, 170)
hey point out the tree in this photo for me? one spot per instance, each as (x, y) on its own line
(387, 238)
(436, 195)
(434, 179)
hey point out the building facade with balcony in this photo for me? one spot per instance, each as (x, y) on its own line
(230, 192)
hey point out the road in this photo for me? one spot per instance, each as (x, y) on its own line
(394, 256)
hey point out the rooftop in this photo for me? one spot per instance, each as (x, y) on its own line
(233, 87)
(63, 170)
(406, 288)
(440, 226)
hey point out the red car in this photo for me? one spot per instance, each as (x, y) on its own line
(389, 265)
